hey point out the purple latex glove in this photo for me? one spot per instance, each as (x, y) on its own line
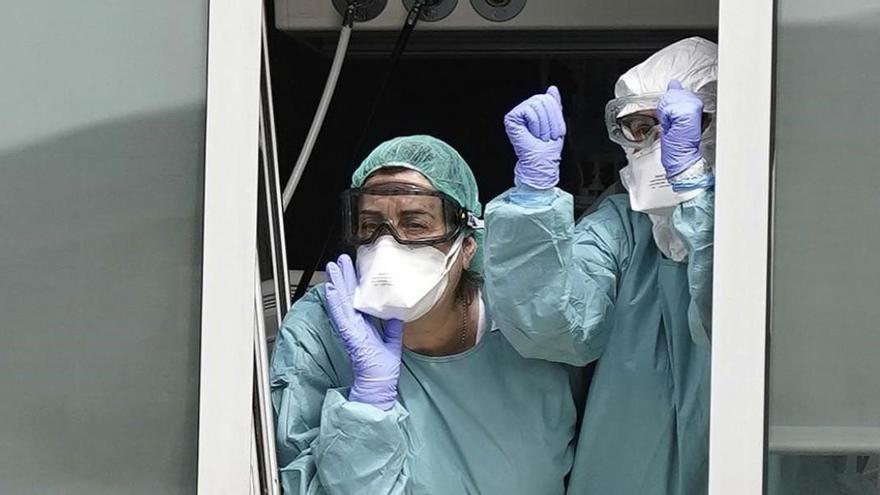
(536, 130)
(681, 119)
(375, 358)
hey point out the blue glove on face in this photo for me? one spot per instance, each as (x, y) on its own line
(375, 358)
(681, 119)
(536, 130)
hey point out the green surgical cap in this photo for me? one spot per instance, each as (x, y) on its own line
(444, 168)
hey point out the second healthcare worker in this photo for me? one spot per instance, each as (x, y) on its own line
(630, 284)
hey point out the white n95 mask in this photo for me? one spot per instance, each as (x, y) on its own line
(401, 282)
(644, 178)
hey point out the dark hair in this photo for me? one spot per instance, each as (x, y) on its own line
(469, 286)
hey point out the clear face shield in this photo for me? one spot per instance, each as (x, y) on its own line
(412, 215)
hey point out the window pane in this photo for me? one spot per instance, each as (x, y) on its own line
(825, 336)
(101, 173)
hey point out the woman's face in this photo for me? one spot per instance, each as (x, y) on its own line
(412, 216)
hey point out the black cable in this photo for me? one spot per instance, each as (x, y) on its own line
(348, 18)
(409, 25)
(402, 39)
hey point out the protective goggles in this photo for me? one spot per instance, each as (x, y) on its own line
(632, 120)
(408, 213)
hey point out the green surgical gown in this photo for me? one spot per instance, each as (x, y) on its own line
(601, 290)
(486, 421)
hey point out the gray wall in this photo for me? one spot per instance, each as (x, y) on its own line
(825, 323)
(101, 173)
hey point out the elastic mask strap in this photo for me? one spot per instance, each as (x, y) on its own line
(452, 255)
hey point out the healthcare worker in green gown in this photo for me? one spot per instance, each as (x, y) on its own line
(391, 378)
(630, 284)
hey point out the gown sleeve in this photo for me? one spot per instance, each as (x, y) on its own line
(327, 444)
(695, 222)
(551, 285)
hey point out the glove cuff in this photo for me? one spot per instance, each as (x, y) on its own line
(525, 195)
(381, 393)
(541, 176)
(698, 175)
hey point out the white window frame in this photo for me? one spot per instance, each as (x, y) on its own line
(738, 413)
(742, 226)
(229, 249)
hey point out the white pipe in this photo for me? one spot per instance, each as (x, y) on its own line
(279, 244)
(255, 463)
(261, 359)
(318, 120)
